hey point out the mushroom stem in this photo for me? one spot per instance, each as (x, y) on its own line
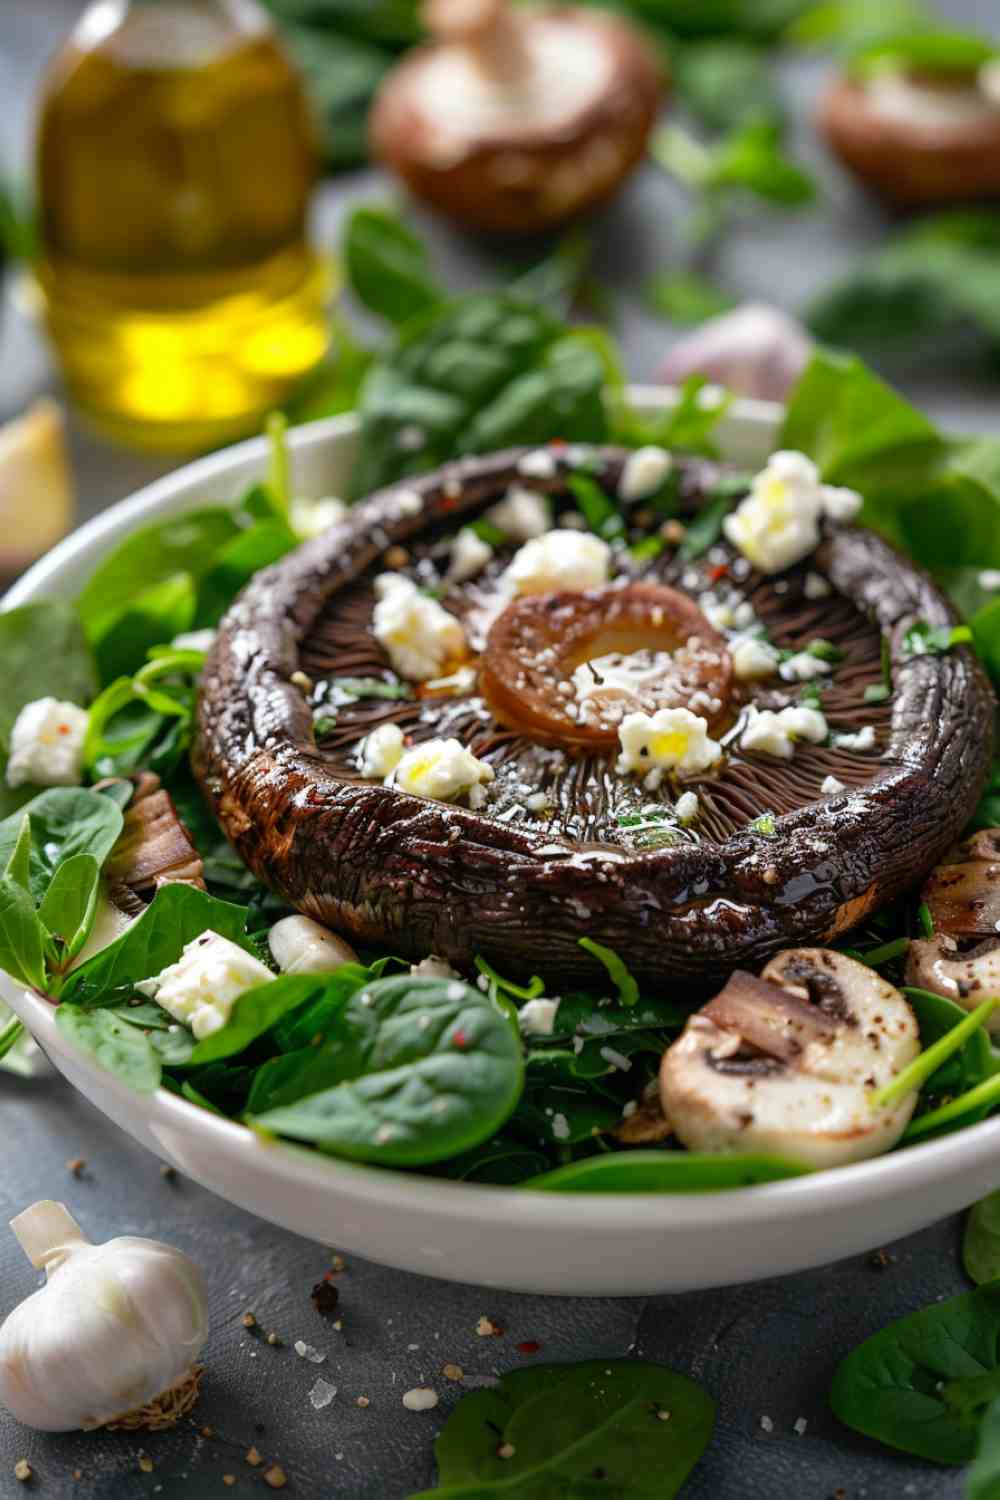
(47, 1232)
(487, 28)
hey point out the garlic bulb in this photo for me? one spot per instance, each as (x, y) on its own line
(115, 1328)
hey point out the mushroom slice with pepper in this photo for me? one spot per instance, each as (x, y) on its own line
(516, 118)
(962, 960)
(938, 964)
(787, 1063)
(153, 849)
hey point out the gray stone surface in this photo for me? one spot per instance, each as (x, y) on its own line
(764, 1350)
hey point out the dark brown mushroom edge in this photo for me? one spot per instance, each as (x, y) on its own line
(946, 151)
(516, 119)
(563, 844)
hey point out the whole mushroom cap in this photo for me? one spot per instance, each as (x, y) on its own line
(515, 120)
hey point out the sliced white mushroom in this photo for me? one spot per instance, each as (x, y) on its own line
(301, 946)
(786, 1064)
(968, 978)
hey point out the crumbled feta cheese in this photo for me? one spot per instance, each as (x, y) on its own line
(457, 684)
(803, 667)
(433, 967)
(538, 802)
(559, 560)
(309, 518)
(831, 786)
(861, 739)
(670, 739)
(469, 555)
(204, 984)
(752, 658)
(301, 946)
(816, 586)
(538, 1017)
(409, 502)
(718, 612)
(416, 632)
(776, 733)
(194, 640)
(540, 463)
(46, 744)
(560, 1127)
(989, 579)
(521, 515)
(687, 807)
(380, 752)
(442, 769)
(778, 522)
(644, 472)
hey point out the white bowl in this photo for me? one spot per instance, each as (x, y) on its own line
(626, 1245)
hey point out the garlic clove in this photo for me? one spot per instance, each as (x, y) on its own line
(301, 946)
(113, 1334)
(755, 350)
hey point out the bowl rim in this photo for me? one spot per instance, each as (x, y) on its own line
(850, 1186)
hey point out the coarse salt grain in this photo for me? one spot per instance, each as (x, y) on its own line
(306, 1351)
(321, 1394)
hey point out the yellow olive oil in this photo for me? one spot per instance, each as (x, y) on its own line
(175, 159)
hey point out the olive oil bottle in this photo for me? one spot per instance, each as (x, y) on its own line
(175, 158)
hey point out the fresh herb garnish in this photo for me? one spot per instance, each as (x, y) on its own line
(926, 640)
(358, 688)
(599, 510)
(764, 825)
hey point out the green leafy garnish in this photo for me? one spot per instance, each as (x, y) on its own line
(765, 825)
(981, 1242)
(925, 640)
(665, 1172)
(388, 265)
(686, 298)
(599, 510)
(628, 990)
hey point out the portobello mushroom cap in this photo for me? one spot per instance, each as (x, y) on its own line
(913, 163)
(515, 120)
(787, 1063)
(522, 888)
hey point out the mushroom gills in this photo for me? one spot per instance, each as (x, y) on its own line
(787, 1063)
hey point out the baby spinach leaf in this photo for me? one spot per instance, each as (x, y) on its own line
(64, 821)
(118, 1046)
(155, 615)
(19, 863)
(628, 990)
(387, 265)
(664, 1172)
(986, 634)
(923, 1383)
(936, 1016)
(69, 906)
(254, 1013)
(235, 564)
(503, 1161)
(621, 1427)
(176, 915)
(424, 1069)
(686, 298)
(43, 654)
(587, 1014)
(983, 1482)
(22, 937)
(174, 1045)
(726, 83)
(981, 1243)
(301, 1028)
(563, 1114)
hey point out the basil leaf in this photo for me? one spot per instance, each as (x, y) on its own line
(69, 906)
(116, 1045)
(664, 1172)
(640, 1427)
(981, 1243)
(422, 1070)
(176, 915)
(64, 821)
(923, 1383)
(22, 937)
(387, 265)
(43, 654)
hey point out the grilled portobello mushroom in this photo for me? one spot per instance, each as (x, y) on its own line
(563, 843)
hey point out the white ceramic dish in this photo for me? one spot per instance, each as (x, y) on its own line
(534, 1242)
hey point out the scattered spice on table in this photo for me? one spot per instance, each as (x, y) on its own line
(487, 1329)
(76, 1166)
(453, 1372)
(145, 1463)
(23, 1470)
(324, 1297)
(276, 1477)
(421, 1398)
(363, 1401)
(248, 1320)
(253, 1458)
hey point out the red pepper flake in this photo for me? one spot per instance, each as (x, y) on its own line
(460, 1040)
(722, 571)
(558, 443)
(62, 729)
(530, 1346)
(449, 502)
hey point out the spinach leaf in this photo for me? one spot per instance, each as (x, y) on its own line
(65, 821)
(664, 1172)
(19, 864)
(387, 265)
(318, 1021)
(22, 937)
(560, 1115)
(424, 1069)
(176, 915)
(936, 1016)
(234, 565)
(726, 83)
(981, 1243)
(706, 528)
(150, 618)
(43, 653)
(923, 1383)
(986, 635)
(483, 372)
(503, 1161)
(984, 1477)
(254, 1013)
(687, 298)
(640, 1427)
(628, 990)
(69, 906)
(118, 1046)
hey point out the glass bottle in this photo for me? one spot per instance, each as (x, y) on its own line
(176, 154)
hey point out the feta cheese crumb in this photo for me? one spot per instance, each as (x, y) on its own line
(380, 752)
(644, 472)
(778, 522)
(670, 739)
(538, 802)
(433, 967)
(416, 632)
(841, 504)
(521, 515)
(718, 612)
(766, 1424)
(441, 769)
(861, 739)
(989, 579)
(421, 1398)
(559, 560)
(309, 518)
(831, 786)
(194, 640)
(560, 1127)
(776, 733)
(204, 984)
(538, 1017)
(457, 684)
(409, 502)
(799, 1426)
(816, 586)
(753, 658)
(687, 807)
(803, 667)
(540, 463)
(46, 744)
(469, 555)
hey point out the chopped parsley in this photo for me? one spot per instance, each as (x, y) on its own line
(934, 640)
(764, 825)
